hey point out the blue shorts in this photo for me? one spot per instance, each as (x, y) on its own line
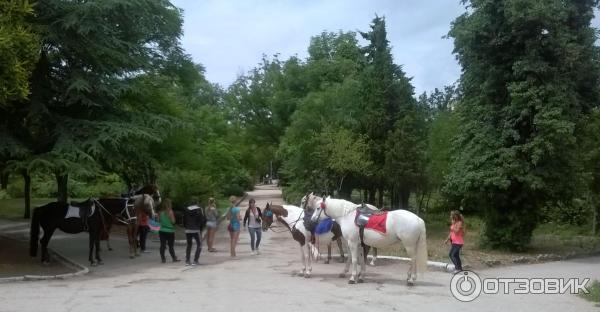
(234, 227)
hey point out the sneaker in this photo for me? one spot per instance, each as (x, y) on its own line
(195, 263)
(253, 252)
(176, 260)
(187, 263)
(257, 252)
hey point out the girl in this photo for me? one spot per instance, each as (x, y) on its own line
(252, 218)
(456, 238)
(234, 224)
(166, 218)
(212, 216)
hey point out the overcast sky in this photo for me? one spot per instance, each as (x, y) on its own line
(229, 36)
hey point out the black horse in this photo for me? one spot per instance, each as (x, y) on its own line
(53, 216)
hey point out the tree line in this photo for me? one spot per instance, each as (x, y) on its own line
(91, 88)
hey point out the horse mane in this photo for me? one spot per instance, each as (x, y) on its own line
(278, 210)
(147, 189)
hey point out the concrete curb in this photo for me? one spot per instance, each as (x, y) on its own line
(432, 265)
(81, 270)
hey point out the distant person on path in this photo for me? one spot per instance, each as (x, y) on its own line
(233, 215)
(166, 218)
(252, 218)
(193, 222)
(212, 218)
(456, 238)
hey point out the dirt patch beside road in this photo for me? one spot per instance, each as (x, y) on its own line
(15, 261)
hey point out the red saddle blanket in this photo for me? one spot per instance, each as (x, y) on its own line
(377, 222)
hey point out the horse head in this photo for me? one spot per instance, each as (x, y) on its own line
(152, 190)
(267, 218)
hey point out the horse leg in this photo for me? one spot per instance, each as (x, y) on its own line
(374, 257)
(328, 253)
(131, 240)
(303, 269)
(135, 238)
(412, 270)
(341, 248)
(353, 250)
(363, 263)
(91, 249)
(97, 244)
(308, 271)
(44, 242)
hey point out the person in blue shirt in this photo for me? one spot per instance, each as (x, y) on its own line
(233, 215)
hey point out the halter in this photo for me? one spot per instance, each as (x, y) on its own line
(122, 220)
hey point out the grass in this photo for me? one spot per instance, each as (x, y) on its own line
(14, 208)
(594, 294)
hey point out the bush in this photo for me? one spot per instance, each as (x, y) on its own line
(181, 185)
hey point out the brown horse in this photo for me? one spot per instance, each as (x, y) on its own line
(128, 212)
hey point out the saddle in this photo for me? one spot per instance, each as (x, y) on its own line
(364, 219)
(82, 213)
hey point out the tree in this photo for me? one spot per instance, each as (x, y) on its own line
(529, 74)
(91, 51)
(391, 120)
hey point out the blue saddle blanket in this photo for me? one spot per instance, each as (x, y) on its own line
(324, 226)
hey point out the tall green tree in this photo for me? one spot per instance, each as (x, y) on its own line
(530, 73)
(90, 53)
(391, 121)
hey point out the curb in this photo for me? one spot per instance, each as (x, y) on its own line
(81, 270)
(432, 265)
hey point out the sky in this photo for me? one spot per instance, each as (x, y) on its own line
(229, 37)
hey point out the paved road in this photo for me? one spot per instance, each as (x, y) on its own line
(267, 283)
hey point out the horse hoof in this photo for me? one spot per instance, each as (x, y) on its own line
(410, 283)
(100, 262)
(306, 275)
(94, 264)
(351, 282)
(360, 280)
(342, 275)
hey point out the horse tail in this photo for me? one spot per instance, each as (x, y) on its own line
(422, 250)
(34, 233)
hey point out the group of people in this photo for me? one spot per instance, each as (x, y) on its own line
(195, 219)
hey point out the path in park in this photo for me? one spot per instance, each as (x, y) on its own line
(266, 282)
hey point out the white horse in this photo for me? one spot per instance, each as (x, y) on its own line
(303, 204)
(292, 218)
(401, 225)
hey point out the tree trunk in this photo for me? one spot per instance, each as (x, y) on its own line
(404, 197)
(345, 192)
(62, 180)
(3, 180)
(380, 198)
(371, 196)
(27, 193)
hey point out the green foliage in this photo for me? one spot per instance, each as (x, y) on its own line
(180, 186)
(391, 120)
(529, 74)
(594, 295)
(18, 51)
